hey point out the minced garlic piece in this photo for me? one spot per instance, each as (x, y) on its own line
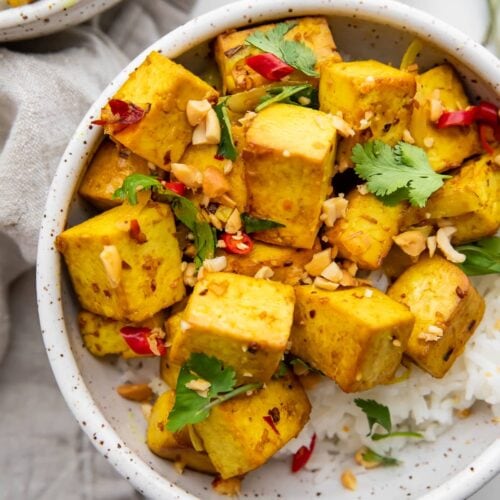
(112, 262)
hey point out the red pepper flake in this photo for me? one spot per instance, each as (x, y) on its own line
(175, 186)
(120, 114)
(239, 245)
(269, 66)
(269, 420)
(302, 455)
(136, 233)
(143, 341)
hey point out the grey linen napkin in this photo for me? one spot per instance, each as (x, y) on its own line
(46, 86)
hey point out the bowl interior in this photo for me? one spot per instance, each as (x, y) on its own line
(425, 467)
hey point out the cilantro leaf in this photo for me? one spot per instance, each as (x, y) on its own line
(376, 413)
(379, 414)
(295, 54)
(482, 257)
(227, 149)
(254, 224)
(289, 94)
(185, 210)
(395, 174)
(190, 407)
(281, 371)
(372, 456)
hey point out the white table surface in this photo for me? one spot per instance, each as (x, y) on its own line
(30, 400)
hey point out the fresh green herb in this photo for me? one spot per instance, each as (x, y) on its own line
(290, 94)
(379, 414)
(185, 210)
(296, 54)
(302, 365)
(227, 149)
(190, 407)
(372, 456)
(482, 257)
(254, 224)
(395, 174)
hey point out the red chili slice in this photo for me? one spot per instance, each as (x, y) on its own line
(269, 420)
(138, 339)
(458, 118)
(122, 114)
(136, 233)
(484, 130)
(269, 66)
(177, 187)
(238, 245)
(487, 113)
(302, 455)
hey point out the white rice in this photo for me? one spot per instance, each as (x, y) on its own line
(419, 403)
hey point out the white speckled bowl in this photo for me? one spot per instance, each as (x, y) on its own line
(460, 462)
(47, 16)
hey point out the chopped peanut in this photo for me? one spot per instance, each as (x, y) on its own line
(214, 182)
(196, 111)
(443, 242)
(112, 263)
(187, 174)
(348, 480)
(135, 392)
(412, 242)
(319, 262)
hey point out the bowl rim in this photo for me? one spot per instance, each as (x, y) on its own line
(48, 274)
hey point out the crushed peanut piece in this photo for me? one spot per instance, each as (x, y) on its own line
(332, 272)
(325, 284)
(214, 182)
(135, 392)
(187, 174)
(286, 153)
(348, 480)
(396, 343)
(112, 263)
(368, 293)
(185, 325)
(230, 487)
(407, 137)
(146, 410)
(412, 242)
(319, 262)
(233, 224)
(343, 128)
(431, 245)
(215, 265)
(444, 244)
(333, 209)
(200, 386)
(429, 142)
(196, 111)
(362, 189)
(265, 272)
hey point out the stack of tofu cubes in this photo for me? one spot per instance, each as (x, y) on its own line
(287, 156)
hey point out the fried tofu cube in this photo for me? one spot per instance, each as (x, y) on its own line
(471, 189)
(286, 263)
(102, 337)
(244, 322)
(205, 156)
(441, 87)
(231, 52)
(169, 371)
(236, 436)
(107, 171)
(297, 144)
(447, 309)
(177, 446)
(118, 274)
(365, 234)
(163, 88)
(369, 95)
(355, 336)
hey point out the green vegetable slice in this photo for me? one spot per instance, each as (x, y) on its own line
(254, 224)
(395, 174)
(289, 94)
(227, 148)
(190, 407)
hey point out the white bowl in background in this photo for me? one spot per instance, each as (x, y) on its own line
(47, 16)
(453, 467)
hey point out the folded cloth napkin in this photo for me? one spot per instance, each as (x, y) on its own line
(46, 86)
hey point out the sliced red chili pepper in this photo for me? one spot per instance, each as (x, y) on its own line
(175, 186)
(140, 340)
(122, 114)
(240, 245)
(269, 420)
(458, 118)
(302, 455)
(484, 131)
(269, 66)
(487, 113)
(136, 233)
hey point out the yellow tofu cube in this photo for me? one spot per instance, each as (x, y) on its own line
(119, 276)
(236, 436)
(102, 337)
(244, 322)
(163, 88)
(287, 142)
(178, 446)
(452, 145)
(286, 263)
(107, 170)
(447, 309)
(354, 336)
(370, 95)
(231, 52)
(169, 371)
(204, 156)
(365, 234)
